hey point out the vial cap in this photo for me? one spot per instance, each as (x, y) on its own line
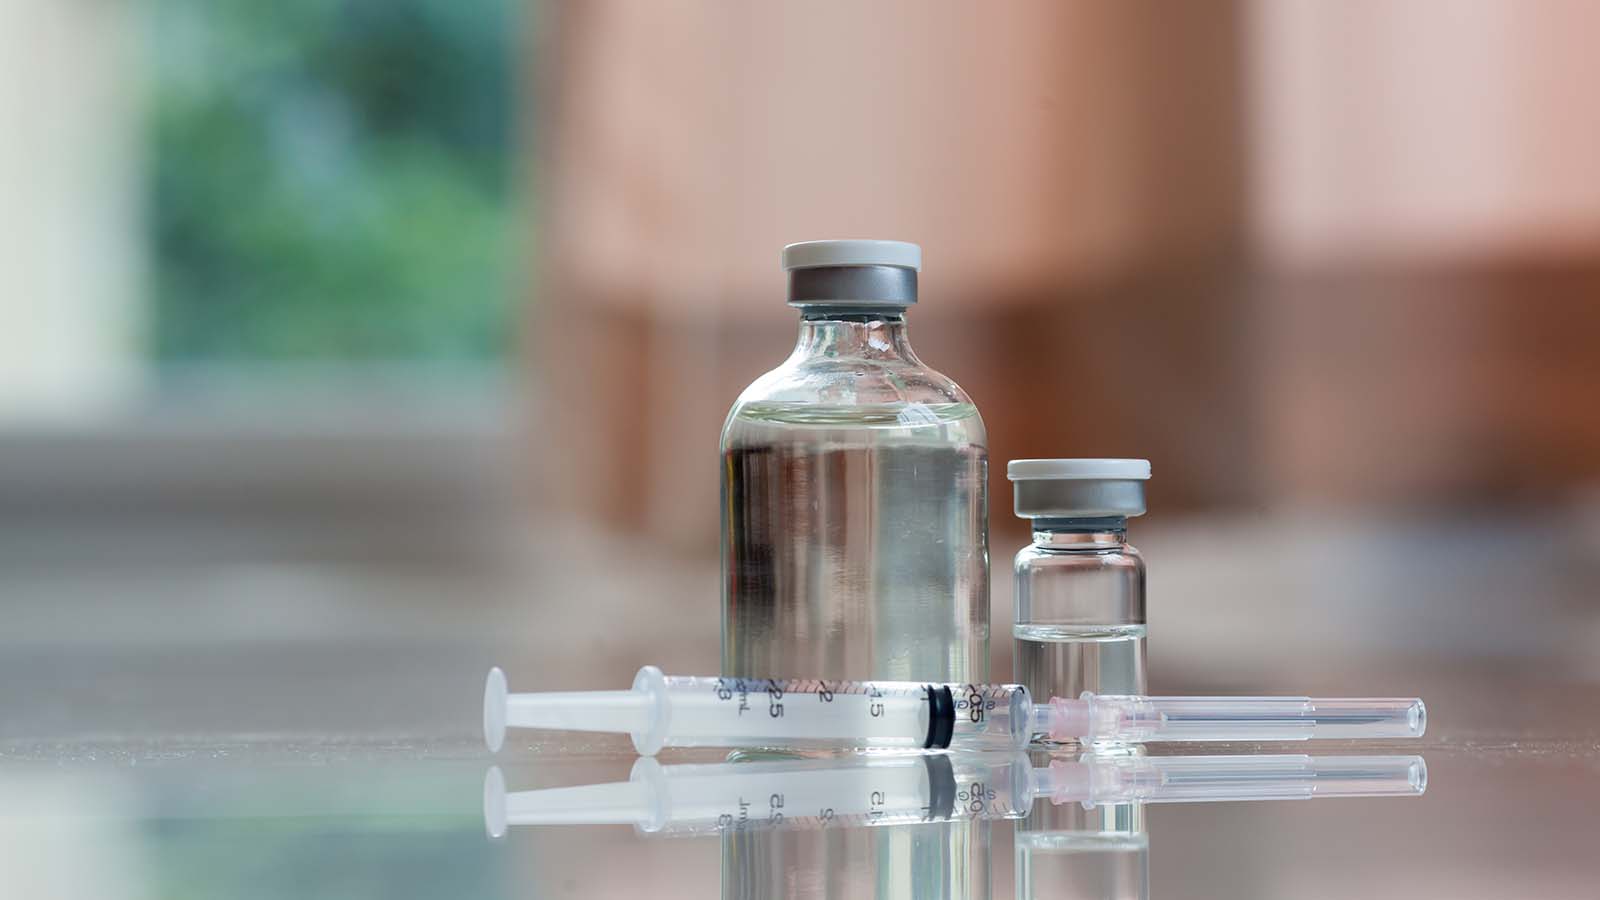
(853, 276)
(1078, 488)
(823, 254)
(1046, 469)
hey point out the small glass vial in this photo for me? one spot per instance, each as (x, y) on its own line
(1069, 852)
(1079, 602)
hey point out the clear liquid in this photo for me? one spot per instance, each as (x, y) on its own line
(1066, 660)
(855, 542)
(1082, 865)
(855, 546)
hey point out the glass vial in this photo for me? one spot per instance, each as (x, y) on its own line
(1068, 852)
(1079, 603)
(855, 545)
(854, 497)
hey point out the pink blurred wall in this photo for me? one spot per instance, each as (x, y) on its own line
(1298, 254)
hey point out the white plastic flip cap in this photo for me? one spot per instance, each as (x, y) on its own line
(1078, 469)
(1080, 488)
(821, 254)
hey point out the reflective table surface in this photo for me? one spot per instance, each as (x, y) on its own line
(315, 731)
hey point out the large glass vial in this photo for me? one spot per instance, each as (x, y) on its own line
(1079, 587)
(855, 545)
(854, 498)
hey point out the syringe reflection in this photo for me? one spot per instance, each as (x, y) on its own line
(868, 790)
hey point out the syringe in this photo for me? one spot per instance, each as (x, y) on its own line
(688, 711)
(930, 787)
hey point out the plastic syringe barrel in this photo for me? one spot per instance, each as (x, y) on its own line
(694, 711)
(796, 793)
(1140, 719)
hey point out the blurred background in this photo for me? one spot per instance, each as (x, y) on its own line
(342, 329)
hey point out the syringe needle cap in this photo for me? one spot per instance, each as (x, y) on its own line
(494, 710)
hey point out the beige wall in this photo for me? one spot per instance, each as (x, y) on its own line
(1423, 131)
(1216, 235)
(1425, 189)
(690, 141)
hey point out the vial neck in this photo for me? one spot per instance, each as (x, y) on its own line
(1079, 533)
(848, 334)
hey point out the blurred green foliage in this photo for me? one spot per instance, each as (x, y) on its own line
(332, 179)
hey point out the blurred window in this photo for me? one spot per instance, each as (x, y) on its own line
(257, 270)
(329, 181)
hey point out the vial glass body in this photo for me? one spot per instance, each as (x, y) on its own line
(855, 513)
(1067, 852)
(855, 546)
(1080, 610)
